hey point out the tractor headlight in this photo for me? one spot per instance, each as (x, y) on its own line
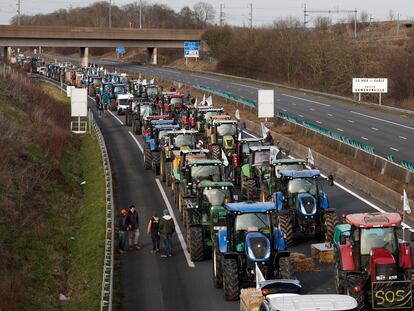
(380, 277)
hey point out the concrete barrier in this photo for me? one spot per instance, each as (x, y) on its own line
(341, 172)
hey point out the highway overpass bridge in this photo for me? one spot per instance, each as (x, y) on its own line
(85, 37)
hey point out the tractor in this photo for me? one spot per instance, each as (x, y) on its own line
(192, 174)
(301, 204)
(204, 215)
(242, 153)
(250, 239)
(203, 115)
(222, 135)
(179, 161)
(139, 112)
(372, 264)
(154, 137)
(177, 140)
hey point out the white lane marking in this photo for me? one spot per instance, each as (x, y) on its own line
(350, 121)
(201, 77)
(319, 122)
(352, 193)
(283, 109)
(137, 142)
(293, 104)
(395, 149)
(311, 109)
(338, 129)
(278, 99)
(374, 128)
(118, 119)
(330, 114)
(177, 227)
(308, 100)
(364, 138)
(402, 137)
(301, 116)
(244, 85)
(379, 119)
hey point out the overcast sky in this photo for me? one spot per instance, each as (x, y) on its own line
(236, 11)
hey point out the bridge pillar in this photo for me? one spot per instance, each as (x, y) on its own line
(152, 56)
(7, 54)
(84, 56)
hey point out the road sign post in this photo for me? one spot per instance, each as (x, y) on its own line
(191, 49)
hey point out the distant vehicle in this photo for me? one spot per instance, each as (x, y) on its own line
(122, 102)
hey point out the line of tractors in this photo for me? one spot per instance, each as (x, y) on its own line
(243, 202)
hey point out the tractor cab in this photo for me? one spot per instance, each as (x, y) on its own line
(203, 116)
(222, 135)
(123, 78)
(180, 159)
(249, 240)
(372, 258)
(174, 104)
(186, 117)
(151, 92)
(112, 78)
(243, 148)
(198, 170)
(136, 88)
(151, 120)
(302, 204)
(279, 165)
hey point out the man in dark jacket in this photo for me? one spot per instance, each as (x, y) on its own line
(166, 230)
(268, 139)
(152, 229)
(132, 223)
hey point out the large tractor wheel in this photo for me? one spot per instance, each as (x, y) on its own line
(331, 220)
(162, 168)
(147, 158)
(351, 281)
(217, 268)
(249, 187)
(156, 162)
(168, 177)
(286, 268)
(231, 279)
(196, 243)
(215, 152)
(286, 226)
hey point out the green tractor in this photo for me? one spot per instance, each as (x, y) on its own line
(141, 109)
(177, 140)
(243, 151)
(192, 174)
(203, 116)
(221, 135)
(204, 215)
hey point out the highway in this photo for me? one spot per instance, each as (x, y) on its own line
(148, 282)
(386, 132)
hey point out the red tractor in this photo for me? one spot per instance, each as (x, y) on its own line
(372, 264)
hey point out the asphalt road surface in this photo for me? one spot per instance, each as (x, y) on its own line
(149, 282)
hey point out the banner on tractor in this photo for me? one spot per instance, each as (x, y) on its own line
(391, 295)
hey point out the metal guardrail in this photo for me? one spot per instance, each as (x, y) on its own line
(108, 265)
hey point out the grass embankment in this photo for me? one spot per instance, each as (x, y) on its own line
(51, 227)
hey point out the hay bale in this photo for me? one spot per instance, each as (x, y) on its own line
(250, 299)
(326, 257)
(302, 263)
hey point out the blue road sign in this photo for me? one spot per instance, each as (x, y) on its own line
(191, 48)
(120, 50)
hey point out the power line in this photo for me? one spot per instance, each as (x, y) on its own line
(221, 21)
(251, 15)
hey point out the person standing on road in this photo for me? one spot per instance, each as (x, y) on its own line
(106, 103)
(132, 222)
(122, 230)
(166, 230)
(152, 229)
(268, 139)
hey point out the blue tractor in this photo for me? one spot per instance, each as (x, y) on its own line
(156, 135)
(249, 239)
(301, 204)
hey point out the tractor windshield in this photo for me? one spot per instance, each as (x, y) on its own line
(216, 196)
(205, 172)
(226, 129)
(151, 91)
(176, 101)
(162, 134)
(183, 140)
(378, 238)
(119, 89)
(123, 79)
(252, 222)
(145, 110)
(261, 157)
(288, 167)
(303, 185)
(210, 114)
(97, 82)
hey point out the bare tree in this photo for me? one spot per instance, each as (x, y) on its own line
(322, 22)
(204, 12)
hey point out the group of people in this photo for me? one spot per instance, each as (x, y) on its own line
(161, 230)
